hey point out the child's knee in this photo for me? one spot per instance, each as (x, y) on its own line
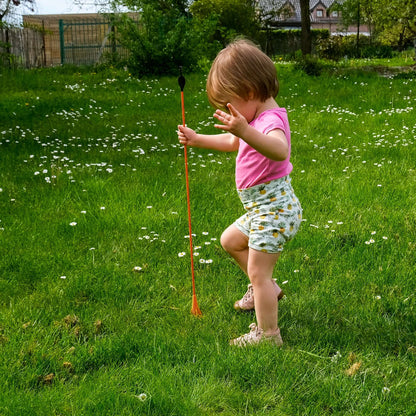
(233, 240)
(226, 241)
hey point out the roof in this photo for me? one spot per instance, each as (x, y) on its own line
(270, 7)
(326, 3)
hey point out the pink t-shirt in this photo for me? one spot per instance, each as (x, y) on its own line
(252, 168)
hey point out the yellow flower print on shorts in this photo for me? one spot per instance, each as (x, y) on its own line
(273, 215)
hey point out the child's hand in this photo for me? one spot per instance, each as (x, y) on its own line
(234, 122)
(186, 136)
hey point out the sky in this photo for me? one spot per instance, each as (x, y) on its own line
(62, 6)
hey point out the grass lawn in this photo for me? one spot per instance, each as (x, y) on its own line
(95, 281)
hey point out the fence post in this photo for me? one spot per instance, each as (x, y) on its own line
(113, 40)
(62, 41)
(43, 44)
(8, 49)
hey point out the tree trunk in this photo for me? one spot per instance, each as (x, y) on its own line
(414, 43)
(358, 28)
(306, 27)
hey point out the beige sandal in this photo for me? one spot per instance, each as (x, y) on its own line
(246, 303)
(256, 336)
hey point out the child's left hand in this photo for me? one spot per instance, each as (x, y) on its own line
(234, 122)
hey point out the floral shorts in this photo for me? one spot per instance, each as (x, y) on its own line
(273, 215)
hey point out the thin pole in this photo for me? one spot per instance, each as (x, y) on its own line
(195, 308)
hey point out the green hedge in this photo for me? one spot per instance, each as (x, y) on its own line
(287, 42)
(337, 47)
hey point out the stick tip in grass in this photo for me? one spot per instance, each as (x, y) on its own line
(195, 308)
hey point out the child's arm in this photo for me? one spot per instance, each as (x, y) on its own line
(273, 145)
(225, 142)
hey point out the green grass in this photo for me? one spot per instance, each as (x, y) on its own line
(83, 333)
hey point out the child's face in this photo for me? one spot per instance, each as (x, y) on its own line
(246, 108)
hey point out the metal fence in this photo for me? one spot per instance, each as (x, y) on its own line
(88, 42)
(51, 42)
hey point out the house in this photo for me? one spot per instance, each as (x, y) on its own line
(286, 14)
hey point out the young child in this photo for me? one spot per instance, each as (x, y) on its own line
(242, 84)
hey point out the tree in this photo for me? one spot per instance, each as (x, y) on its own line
(8, 8)
(355, 13)
(391, 21)
(234, 17)
(306, 37)
(162, 36)
(398, 26)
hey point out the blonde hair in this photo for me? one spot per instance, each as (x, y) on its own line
(241, 70)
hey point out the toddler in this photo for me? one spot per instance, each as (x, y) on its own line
(242, 84)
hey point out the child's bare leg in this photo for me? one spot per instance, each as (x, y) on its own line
(235, 243)
(260, 271)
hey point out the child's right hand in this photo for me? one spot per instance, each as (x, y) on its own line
(186, 136)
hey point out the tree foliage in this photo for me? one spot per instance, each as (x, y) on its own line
(393, 21)
(398, 25)
(164, 37)
(173, 33)
(234, 17)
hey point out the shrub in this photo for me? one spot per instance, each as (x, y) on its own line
(280, 42)
(160, 42)
(308, 64)
(337, 47)
(234, 17)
